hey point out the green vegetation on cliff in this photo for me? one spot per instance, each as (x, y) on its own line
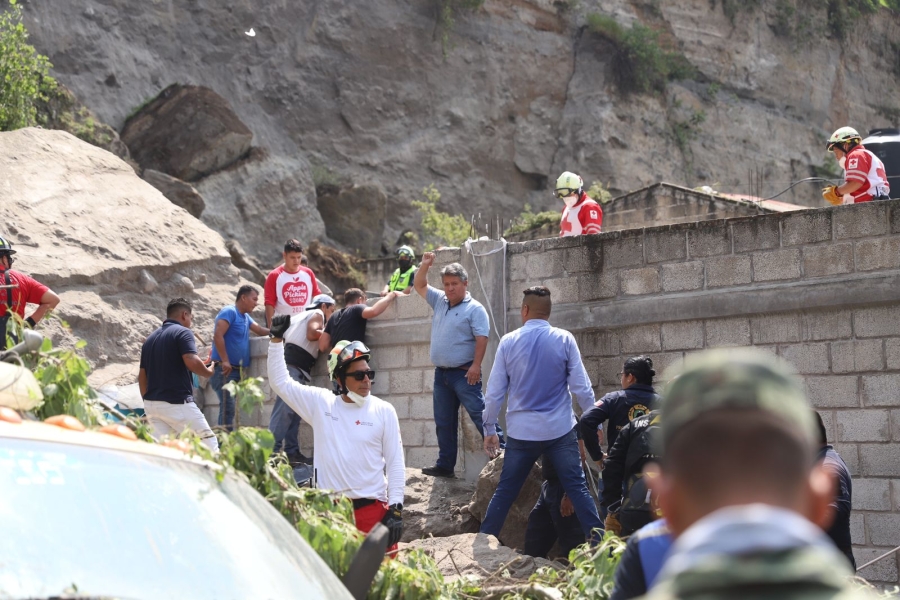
(24, 74)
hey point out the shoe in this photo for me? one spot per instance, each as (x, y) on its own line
(436, 471)
(299, 459)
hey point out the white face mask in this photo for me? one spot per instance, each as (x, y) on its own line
(570, 200)
(843, 161)
(357, 399)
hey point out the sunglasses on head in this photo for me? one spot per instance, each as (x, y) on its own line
(360, 375)
(563, 192)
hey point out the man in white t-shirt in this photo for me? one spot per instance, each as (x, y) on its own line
(290, 287)
(357, 435)
(301, 349)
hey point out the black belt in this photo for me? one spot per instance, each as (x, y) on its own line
(359, 503)
(191, 401)
(460, 367)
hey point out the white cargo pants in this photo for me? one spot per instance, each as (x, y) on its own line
(166, 418)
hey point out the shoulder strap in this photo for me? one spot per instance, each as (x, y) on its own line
(8, 282)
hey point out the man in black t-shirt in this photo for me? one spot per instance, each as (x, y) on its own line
(349, 323)
(168, 357)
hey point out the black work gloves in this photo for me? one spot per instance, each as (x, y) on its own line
(393, 520)
(280, 325)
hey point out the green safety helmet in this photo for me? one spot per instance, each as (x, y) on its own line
(406, 251)
(567, 184)
(343, 354)
(844, 134)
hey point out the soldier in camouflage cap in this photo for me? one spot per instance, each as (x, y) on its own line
(739, 489)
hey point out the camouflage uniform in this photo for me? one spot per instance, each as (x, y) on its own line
(755, 550)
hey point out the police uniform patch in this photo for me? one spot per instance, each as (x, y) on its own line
(638, 410)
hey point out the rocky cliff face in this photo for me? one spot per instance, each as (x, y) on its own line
(113, 248)
(362, 91)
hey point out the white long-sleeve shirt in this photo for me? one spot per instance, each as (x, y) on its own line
(354, 446)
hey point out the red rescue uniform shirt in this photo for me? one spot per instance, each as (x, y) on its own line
(28, 291)
(584, 218)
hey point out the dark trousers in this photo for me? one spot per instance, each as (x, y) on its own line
(546, 524)
(450, 390)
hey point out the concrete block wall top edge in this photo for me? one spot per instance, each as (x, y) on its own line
(890, 206)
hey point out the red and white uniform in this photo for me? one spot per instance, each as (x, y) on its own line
(290, 293)
(862, 165)
(584, 218)
(28, 291)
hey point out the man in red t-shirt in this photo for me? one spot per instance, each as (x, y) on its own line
(18, 289)
(864, 175)
(581, 215)
(290, 287)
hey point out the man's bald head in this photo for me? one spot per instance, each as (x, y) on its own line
(537, 302)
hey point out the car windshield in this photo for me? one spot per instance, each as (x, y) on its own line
(97, 522)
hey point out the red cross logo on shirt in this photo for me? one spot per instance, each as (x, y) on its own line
(358, 422)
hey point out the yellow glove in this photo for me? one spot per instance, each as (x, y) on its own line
(830, 194)
(612, 523)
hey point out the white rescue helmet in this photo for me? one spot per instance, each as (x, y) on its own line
(567, 184)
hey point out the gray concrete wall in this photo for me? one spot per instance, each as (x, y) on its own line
(820, 288)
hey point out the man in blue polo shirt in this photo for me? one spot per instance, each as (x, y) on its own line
(168, 357)
(231, 347)
(459, 338)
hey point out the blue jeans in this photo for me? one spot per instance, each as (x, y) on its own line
(450, 390)
(520, 456)
(285, 423)
(226, 400)
(546, 524)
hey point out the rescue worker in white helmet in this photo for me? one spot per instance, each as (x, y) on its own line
(357, 448)
(864, 176)
(581, 214)
(402, 279)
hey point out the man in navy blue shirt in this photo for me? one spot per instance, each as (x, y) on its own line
(168, 357)
(540, 368)
(839, 531)
(636, 398)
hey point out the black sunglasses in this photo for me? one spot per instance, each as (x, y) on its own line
(360, 375)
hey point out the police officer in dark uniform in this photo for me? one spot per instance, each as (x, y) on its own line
(636, 398)
(402, 279)
(625, 495)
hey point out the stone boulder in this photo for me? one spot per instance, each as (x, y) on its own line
(261, 202)
(179, 192)
(355, 216)
(110, 244)
(480, 556)
(187, 131)
(435, 506)
(249, 269)
(513, 532)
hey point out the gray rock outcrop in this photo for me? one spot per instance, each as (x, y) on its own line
(111, 245)
(262, 201)
(187, 132)
(354, 216)
(524, 92)
(179, 192)
(435, 506)
(481, 556)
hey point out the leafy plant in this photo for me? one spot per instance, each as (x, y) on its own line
(599, 193)
(640, 62)
(685, 131)
(528, 220)
(24, 74)
(247, 393)
(447, 13)
(440, 228)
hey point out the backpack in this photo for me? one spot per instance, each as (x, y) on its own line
(636, 509)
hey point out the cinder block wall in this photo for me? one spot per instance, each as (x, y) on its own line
(820, 288)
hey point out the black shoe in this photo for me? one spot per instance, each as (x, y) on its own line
(299, 459)
(436, 471)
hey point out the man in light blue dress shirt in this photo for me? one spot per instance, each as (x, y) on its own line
(538, 366)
